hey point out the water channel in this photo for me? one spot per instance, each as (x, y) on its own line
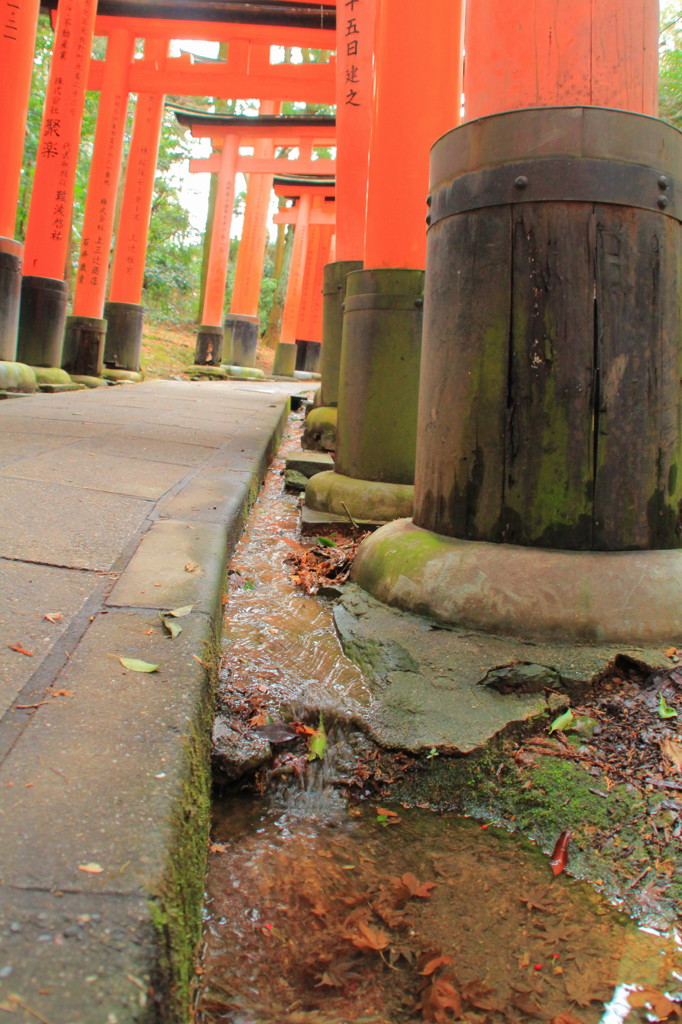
(327, 912)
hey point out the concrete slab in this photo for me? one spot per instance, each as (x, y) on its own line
(27, 594)
(214, 495)
(176, 564)
(128, 445)
(65, 526)
(99, 472)
(29, 445)
(109, 755)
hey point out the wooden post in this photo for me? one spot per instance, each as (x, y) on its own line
(417, 84)
(19, 19)
(44, 292)
(123, 311)
(531, 53)
(219, 254)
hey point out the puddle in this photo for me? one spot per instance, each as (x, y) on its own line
(317, 913)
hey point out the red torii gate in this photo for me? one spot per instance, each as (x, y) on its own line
(314, 208)
(228, 132)
(249, 53)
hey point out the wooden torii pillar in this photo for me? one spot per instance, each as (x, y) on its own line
(124, 312)
(304, 132)
(17, 43)
(43, 288)
(547, 488)
(85, 329)
(313, 204)
(417, 83)
(309, 330)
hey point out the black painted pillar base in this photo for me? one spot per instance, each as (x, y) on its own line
(84, 346)
(334, 294)
(308, 355)
(41, 321)
(11, 254)
(123, 342)
(209, 348)
(241, 334)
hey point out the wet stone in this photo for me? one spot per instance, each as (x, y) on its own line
(237, 753)
(522, 677)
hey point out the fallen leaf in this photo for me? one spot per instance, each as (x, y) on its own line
(325, 542)
(318, 742)
(659, 1003)
(559, 858)
(191, 566)
(672, 750)
(135, 665)
(435, 963)
(671, 652)
(169, 623)
(276, 732)
(217, 848)
(368, 937)
(664, 709)
(53, 616)
(61, 693)
(408, 885)
(562, 722)
(91, 868)
(565, 1018)
(180, 613)
(20, 650)
(386, 813)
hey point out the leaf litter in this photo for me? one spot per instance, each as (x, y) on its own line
(338, 920)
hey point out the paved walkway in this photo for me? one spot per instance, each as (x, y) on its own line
(115, 504)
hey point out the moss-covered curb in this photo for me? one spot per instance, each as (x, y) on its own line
(17, 377)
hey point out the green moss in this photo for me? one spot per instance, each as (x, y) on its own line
(176, 907)
(392, 556)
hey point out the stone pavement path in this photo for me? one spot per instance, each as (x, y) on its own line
(115, 504)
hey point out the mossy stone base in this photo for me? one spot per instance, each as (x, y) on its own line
(133, 376)
(51, 375)
(535, 593)
(368, 500)
(243, 372)
(207, 372)
(319, 431)
(17, 377)
(89, 382)
(284, 363)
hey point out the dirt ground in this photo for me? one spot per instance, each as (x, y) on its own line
(168, 351)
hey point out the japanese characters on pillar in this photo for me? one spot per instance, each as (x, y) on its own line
(219, 254)
(49, 218)
(18, 20)
(127, 273)
(355, 44)
(105, 169)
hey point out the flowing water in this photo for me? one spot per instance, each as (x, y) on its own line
(322, 913)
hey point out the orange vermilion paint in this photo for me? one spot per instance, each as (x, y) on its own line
(49, 219)
(17, 43)
(105, 170)
(417, 86)
(249, 269)
(354, 51)
(127, 274)
(219, 253)
(531, 53)
(292, 303)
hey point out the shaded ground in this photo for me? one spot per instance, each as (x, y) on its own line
(168, 350)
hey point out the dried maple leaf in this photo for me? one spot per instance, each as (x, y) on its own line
(436, 962)
(565, 1018)
(20, 650)
(408, 885)
(53, 616)
(658, 1002)
(437, 997)
(672, 752)
(481, 996)
(368, 937)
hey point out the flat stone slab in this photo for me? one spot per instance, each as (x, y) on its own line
(310, 463)
(61, 525)
(26, 597)
(429, 681)
(100, 472)
(176, 564)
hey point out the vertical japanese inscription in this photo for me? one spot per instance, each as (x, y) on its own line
(352, 49)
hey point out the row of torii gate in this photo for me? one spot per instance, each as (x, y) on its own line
(507, 381)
